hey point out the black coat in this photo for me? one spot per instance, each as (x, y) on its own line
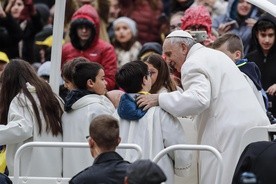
(266, 64)
(260, 159)
(10, 35)
(108, 168)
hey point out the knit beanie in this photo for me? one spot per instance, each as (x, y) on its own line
(131, 24)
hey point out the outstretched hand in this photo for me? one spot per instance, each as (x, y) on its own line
(147, 101)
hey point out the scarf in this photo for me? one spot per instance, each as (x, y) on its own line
(74, 96)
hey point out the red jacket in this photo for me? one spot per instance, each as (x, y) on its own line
(97, 51)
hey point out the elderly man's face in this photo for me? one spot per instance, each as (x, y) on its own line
(175, 54)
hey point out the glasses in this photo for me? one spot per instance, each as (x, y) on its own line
(87, 137)
(149, 73)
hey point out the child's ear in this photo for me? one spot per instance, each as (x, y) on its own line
(238, 55)
(89, 84)
(145, 78)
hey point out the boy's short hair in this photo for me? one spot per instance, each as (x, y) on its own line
(85, 71)
(234, 42)
(104, 130)
(69, 67)
(130, 76)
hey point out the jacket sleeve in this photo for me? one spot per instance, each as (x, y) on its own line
(195, 98)
(13, 29)
(19, 126)
(109, 62)
(173, 134)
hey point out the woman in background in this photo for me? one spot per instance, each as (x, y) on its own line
(126, 46)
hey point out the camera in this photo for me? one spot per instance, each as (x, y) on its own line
(199, 36)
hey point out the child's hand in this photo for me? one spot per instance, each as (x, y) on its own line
(250, 22)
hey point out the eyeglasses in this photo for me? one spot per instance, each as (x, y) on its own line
(149, 73)
(87, 137)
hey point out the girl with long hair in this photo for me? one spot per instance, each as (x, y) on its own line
(30, 111)
(161, 78)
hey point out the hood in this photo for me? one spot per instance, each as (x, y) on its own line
(85, 15)
(150, 47)
(232, 11)
(267, 17)
(128, 108)
(197, 15)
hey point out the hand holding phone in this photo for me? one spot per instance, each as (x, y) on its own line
(199, 36)
(232, 24)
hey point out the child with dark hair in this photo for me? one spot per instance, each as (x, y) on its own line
(85, 42)
(82, 105)
(154, 129)
(162, 80)
(30, 111)
(264, 55)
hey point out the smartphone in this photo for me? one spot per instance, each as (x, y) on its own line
(199, 36)
(233, 24)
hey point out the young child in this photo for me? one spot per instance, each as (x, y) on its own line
(154, 129)
(126, 46)
(264, 55)
(161, 78)
(231, 44)
(30, 111)
(82, 105)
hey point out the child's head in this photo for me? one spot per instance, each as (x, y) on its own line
(67, 72)
(103, 134)
(160, 73)
(265, 30)
(230, 44)
(125, 30)
(134, 77)
(90, 76)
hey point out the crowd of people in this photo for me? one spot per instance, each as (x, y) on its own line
(130, 69)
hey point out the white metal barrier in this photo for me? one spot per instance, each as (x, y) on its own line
(259, 133)
(194, 147)
(41, 180)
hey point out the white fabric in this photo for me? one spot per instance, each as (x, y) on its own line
(216, 92)
(155, 131)
(125, 56)
(76, 128)
(22, 127)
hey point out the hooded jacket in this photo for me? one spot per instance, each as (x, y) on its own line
(95, 50)
(266, 64)
(198, 15)
(242, 30)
